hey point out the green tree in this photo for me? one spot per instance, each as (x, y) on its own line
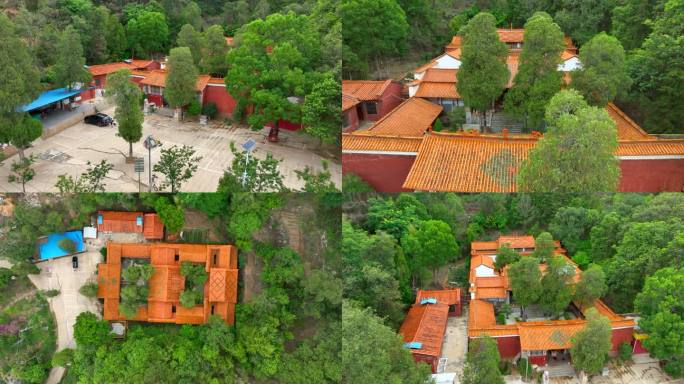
(67, 245)
(656, 69)
(577, 154)
(505, 255)
(181, 81)
(483, 74)
(192, 39)
(591, 286)
(116, 39)
(90, 181)
(538, 78)
(170, 214)
(630, 22)
(591, 345)
(21, 130)
(177, 164)
(373, 353)
(571, 225)
(321, 111)
(63, 358)
(21, 172)
(429, 245)
(661, 306)
(70, 66)
(482, 363)
(583, 19)
(604, 236)
(250, 174)
(556, 285)
(372, 31)
(90, 332)
(603, 75)
(148, 33)
(544, 246)
(88, 290)
(525, 281)
(126, 96)
(214, 59)
(377, 289)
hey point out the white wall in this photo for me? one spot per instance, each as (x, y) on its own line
(447, 62)
(571, 64)
(484, 271)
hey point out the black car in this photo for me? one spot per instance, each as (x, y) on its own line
(99, 119)
(74, 262)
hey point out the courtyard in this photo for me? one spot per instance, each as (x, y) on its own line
(69, 151)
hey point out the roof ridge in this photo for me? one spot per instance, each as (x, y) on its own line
(525, 137)
(626, 117)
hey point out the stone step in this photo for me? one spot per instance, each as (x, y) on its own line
(560, 370)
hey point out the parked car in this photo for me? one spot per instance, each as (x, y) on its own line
(99, 119)
(74, 262)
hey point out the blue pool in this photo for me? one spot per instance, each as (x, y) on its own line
(50, 249)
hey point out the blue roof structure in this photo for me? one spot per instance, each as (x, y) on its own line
(430, 300)
(51, 249)
(49, 97)
(413, 345)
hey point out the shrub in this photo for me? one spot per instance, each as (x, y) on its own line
(67, 245)
(437, 126)
(195, 277)
(51, 292)
(89, 290)
(504, 367)
(352, 183)
(194, 108)
(103, 252)
(189, 299)
(501, 319)
(63, 358)
(210, 110)
(624, 352)
(524, 367)
(5, 277)
(457, 117)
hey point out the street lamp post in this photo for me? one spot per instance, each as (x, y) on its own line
(150, 143)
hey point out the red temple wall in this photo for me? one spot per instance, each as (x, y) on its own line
(385, 173)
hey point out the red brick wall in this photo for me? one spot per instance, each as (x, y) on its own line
(387, 102)
(430, 360)
(102, 79)
(637, 347)
(623, 335)
(223, 100)
(509, 347)
(539, 360)
(652, 175)
(352, 118)
(385, 173)
(156, 99)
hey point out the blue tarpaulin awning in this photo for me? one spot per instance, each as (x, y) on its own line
(49, 97)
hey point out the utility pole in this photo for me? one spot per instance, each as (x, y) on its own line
(248, 146)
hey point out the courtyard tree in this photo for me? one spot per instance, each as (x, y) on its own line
(170, 214)
(603, 75)
(214, 59)
(177, 164)
(90, 181)
(591, 345)
(148, 34)
(248, 173)
(194, 40)
(525, 280)
(195, 277)
(556, 285)
(21, 172)
(483, 74)
(134, 288)
(90, 332)
(373, 353)
(127, 112)
(505, 255)
(372, 31)
(70, 69)
(591, 286)
(538, 78)
(321, 111)
(181, 82)
(482, 362)
(21, 131)
(661, 307)
(577, 154)
(273, 68)
(543, 246)
(428, 244)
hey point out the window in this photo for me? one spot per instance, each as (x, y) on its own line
(214, 255)
(212, 309)
(372, 108)
(155, 90)
(176, 255)
(173, 308)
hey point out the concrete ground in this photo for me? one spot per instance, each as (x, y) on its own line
(59, 274)
(68, 152)
(455, 344)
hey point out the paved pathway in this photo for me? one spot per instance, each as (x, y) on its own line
(68, 152)
(455, 344)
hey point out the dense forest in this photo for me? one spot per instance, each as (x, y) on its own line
(287, 332)
(650, 32)
(395, 244)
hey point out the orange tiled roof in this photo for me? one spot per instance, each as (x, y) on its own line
(627, 129)
(229, 41)
(437, 90)
(365, 90)
(437, 75)
(426, 324)
(217, 80)
(113, 221)
(443, 296)
(157, 78)
(513, 35)
(358, 142)
(468, 163)
(481, 260)
(349, 102)
(650, 148)
(412, 118)
(455, 53)
(105, 69)
(141, 63)
(566, 55)
(545, 335)
(166, 283)
(517, 241)
(153, 228)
